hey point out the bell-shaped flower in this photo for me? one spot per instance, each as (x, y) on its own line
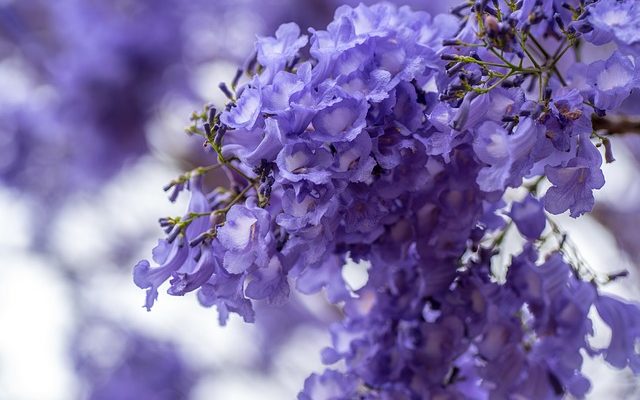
(624, 321)
(612, 80)
(574, 183)
(529, 217)
(246, 237)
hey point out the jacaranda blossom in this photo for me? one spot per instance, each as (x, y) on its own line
(392, 139)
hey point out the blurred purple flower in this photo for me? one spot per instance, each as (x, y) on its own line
(615, 20)
(116, 363)
(623, 222)
(624, 320)
(529, 217)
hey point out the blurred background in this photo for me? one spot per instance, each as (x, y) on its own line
(94, 98)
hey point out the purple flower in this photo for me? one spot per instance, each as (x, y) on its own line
(362, 214)
(327, 275)
(622, 221)
(353, 160)
(174, 255)
(529, 217)
(331, 385)
(612, 80)
(184, 282)
(269, 283)
(305, 205)
(304, 161)
(615, 20)
(492, 107)
(261, 143)
(624, 320)
(574, 183)
(245, 112)
(277, 95)
(275, 53)
(507, 155)
(246, 238)
(170, 257)
(341, 121)
(409, 175)
(226, 292)
(567, 120)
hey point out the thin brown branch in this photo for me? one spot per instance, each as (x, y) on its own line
(615, 126)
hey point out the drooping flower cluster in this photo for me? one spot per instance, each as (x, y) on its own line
(390, 139)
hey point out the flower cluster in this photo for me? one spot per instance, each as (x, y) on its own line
(390, 139)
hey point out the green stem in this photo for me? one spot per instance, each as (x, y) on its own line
(500, 238)
(547, 57)
(238, 171)
(521, 40)
(581, 268)
(504, 60)
(495, 85)
(558, 55)
(236, 199)
(535, 185)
